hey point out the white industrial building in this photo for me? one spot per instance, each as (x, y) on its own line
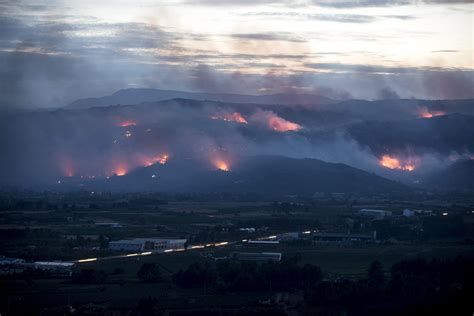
(147, 244)
(375, 214)
(55, 267)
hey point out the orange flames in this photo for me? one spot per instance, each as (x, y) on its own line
(120, 171)
(274, 122)
(231, 117)
(127, 123)
(395, 163)
(424, 112)
(149, 161)
(281, 125)
(221, 165)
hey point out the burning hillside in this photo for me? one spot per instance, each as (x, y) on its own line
(126, 122)
(391, 162)
(425, 112)
(230, 117)
(274, 122)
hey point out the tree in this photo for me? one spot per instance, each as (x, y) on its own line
(150, 272)
(376, 276)
(87, 276)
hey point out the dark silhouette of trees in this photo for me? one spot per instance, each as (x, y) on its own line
(89, 276)
(150, 272)
(376, 276)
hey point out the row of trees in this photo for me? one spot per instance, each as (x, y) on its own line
(410, 287)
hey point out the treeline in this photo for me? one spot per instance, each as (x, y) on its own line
(241, 276)
(410, 287)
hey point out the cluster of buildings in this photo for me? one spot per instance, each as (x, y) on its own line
(51, 268)
(381, 214)
(148, 244)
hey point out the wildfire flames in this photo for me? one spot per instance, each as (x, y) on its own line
(395, 163)
(221, 165)
(231, 117)
(274, 122)
(281, 125)
(120, 171)
(427, 113)
(149, 161)
(127, 123)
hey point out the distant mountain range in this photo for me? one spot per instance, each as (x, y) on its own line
(95, 138)
(137, 96)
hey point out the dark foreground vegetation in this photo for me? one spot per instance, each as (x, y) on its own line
(415, 263)
(409, 287)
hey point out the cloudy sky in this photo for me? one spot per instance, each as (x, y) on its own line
(53, 52)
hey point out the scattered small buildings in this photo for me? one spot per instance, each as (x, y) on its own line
(109, 225)
(147, 244)
(375, 214)
(247, 229)
(336, 237)
(55, 267)
(4, 261)
(410, 213)
(257, 256)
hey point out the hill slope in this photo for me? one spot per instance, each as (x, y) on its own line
(264, 175)
(137, 96)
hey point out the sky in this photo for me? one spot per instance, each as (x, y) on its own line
(54, 52)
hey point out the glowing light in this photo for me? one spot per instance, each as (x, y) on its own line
(168, 250)
(87, 260)
(163, 160)
(132, 255)
(127, 134)
(445, 214)
(221, 165)
(221, 244)
(307, 232)
(244, 240)
(281, 125)
(120, 171)
(231, 117)
(395, 163)
(126, 123)
(272, 237)
(65, 164)
(146, 253)
(424, 112)
(149, 161)
(197, 247)
(274, 122)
